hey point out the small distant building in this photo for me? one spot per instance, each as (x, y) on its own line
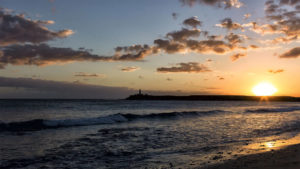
(140, 92)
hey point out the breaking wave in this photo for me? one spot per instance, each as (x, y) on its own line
(40, 124)
(273, 110)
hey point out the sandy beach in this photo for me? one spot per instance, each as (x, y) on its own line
(284, 158)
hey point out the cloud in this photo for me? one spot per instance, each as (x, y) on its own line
(289, 2)
(43, 54)
(181, 41)
(17, 29)
(175, 15)
(193, 22)
(38, 88)
(185, 41)
(83, 74)
(184, 34)
(292, 53)
(229, 24)
(132, 53)
(191, 67)
(237, 56)
(218, 3)
(169, 79)
(130, 69)
(283, 17)
(276, 71)
(247, 16)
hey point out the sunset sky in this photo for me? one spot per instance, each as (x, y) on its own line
(112, 48)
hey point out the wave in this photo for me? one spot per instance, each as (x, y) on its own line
(40, 124)
(273, 110)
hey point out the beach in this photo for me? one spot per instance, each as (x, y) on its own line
(285, 158)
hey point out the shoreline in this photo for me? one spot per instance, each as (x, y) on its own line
(282, 157)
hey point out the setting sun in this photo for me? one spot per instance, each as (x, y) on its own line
(264, 89)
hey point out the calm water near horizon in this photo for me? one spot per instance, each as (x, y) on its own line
(138, 134)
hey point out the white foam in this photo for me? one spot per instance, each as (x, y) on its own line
(86, 121)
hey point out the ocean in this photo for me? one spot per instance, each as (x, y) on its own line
(116, 134)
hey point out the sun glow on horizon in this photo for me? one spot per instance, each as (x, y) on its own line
(264, 89)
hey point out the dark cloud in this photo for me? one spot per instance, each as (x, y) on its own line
(254, 46)
(43, 54)
(191, 67)
(184, 34)
(185, 41)
(28, 88)
(38, 88)
(237, 56)
(229, 24)
(182, 41)
(132, 53)
(276, 71)
(193, 22)
(169, 47)
(129, 69)
(289, 2)
(83, 74)
(175, 15)
(15, 29)
(218, 3)
(234, 39)
(293, 53)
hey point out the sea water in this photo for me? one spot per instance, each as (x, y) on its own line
(137, 134)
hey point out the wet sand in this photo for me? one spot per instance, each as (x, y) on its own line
(284, 158)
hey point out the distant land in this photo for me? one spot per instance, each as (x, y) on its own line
(214, 98)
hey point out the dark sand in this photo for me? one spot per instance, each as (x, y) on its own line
(284, 158)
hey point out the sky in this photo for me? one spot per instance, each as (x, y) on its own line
(111, 48)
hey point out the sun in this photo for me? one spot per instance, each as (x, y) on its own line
(264, 89)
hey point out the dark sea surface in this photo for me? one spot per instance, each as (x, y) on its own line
(137, 134)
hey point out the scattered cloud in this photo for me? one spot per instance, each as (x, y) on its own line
(129, 69)
(191, 67)
(247, 16)
(237, 56)
(169, 79)
(218, 3)
(95, 75)
(284, 21)
(292, 53)
(227, 23)
(193, 22)
(17, 29)
(175, 15)
(276, 71)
